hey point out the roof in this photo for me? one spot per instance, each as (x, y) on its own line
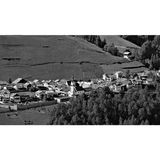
(127, 53)
(14, 94)
(78, 88)
(19, 80)
(3, 83)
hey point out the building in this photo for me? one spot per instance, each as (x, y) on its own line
(127, 55)
(106, 77)
(75, 90)
(118, 74)
(19, 83)
(62, 99)
(86, 84)
(15, 97)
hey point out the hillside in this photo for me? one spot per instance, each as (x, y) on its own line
(134, 67)
(51, 57)
(119, 42)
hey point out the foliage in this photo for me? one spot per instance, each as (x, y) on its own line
(111, 49)
(95, 40)
(138, 39)
(102, 44)
(150, 53)
(155, 62)
(134, 107)
(127, 74)
(147, 50)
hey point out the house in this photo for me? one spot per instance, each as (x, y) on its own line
(86, 84)
(19, 83)
(127, 55)
(106, 77)
(62, 99)
(115, 88)
(19, 80)
(75, 90)
(42, 88)
(49, 94)
(15, 97)
(40, 94)
(118, 74)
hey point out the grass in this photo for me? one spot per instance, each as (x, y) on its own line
(50, 57)
(118, 41)
(39, 116)
(132, 66)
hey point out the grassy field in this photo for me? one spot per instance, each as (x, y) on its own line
(134, 67)
(37, 116)
(118, 41)
(50, 57)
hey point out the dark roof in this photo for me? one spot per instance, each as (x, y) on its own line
(79, 88)
(19, 80)
(69, 83)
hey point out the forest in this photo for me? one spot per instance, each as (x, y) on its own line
(137, 106)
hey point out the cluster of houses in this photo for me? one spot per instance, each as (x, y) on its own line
(24, 91)
(119, 81)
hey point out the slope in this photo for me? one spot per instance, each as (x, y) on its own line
(50, 57)
(119, 42)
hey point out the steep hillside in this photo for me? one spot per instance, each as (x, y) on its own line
(51, 57)
(119, 42)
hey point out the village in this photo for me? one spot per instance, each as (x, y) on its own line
(22, 93)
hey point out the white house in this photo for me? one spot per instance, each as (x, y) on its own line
(86, 84)
(118, 74)
(105, 77)
(126, 55)
(74, 90)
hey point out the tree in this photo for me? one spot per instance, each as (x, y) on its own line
(112, 49)
(147, 50)
(98, 41)
(156, 43)
(128, 74)
(155, 62)
(103, 43)
(105, 48)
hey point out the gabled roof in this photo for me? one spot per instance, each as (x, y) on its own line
(19, 80)
(14, 94)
